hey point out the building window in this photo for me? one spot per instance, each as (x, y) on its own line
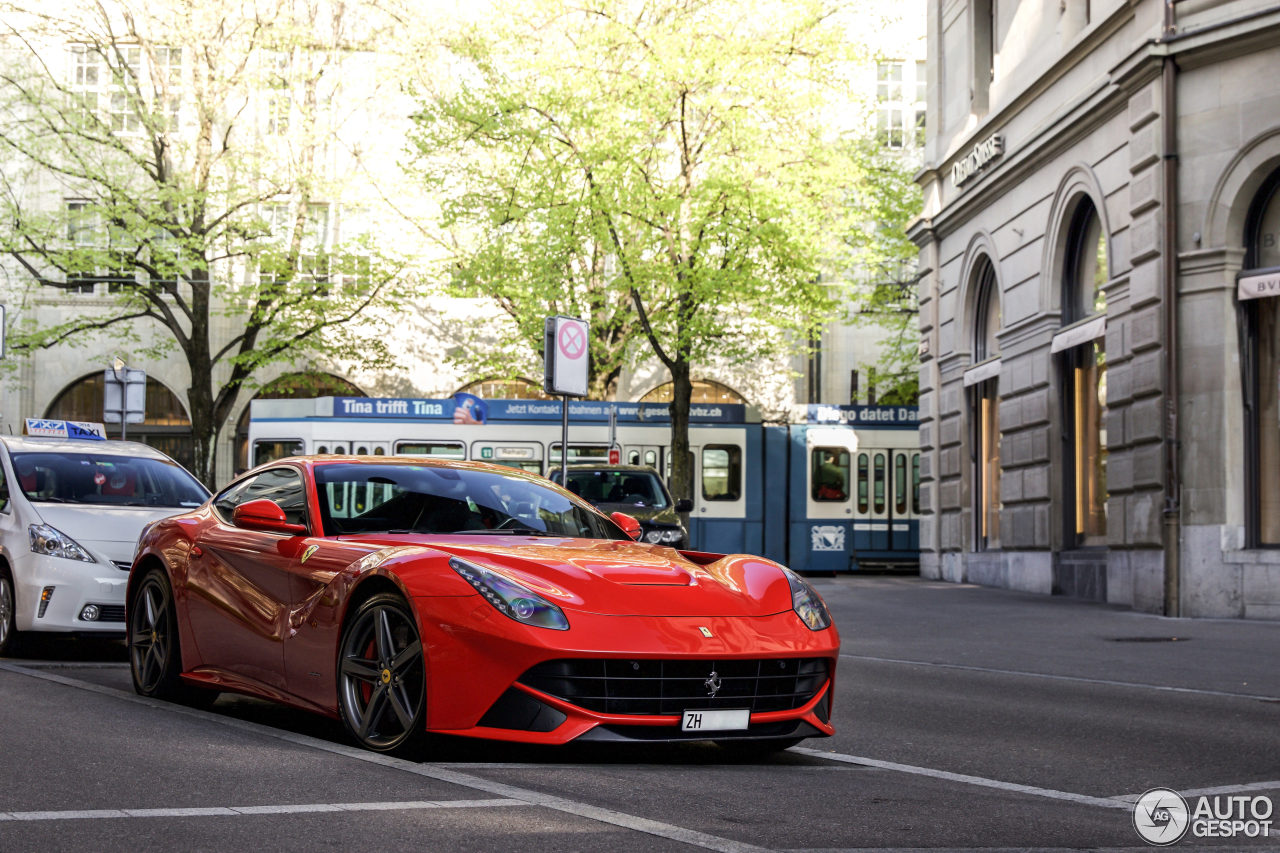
(901, 88)
(983, 383)
(1261, 360)
(984, 53)
(1084, 379)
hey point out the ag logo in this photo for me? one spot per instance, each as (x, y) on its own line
(1161, 817)
(306, 555)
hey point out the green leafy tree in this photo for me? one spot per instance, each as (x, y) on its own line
(882, 259)
(175, 158)
(666, 169)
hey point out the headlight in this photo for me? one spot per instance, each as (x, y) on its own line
(807, 604)
(53, 542)
(510, 598)
(665, 535)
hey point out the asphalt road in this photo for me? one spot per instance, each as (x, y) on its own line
(967, 718)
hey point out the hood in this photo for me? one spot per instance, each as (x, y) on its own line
(628, 578)
(108, 531)
(643, 513)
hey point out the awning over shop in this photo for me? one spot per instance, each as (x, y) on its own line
(1080, 333)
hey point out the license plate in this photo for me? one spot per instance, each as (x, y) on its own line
(715, 721)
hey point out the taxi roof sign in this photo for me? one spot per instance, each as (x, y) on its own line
(66, 429)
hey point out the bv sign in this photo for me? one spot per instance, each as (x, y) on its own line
(565, 354)
(1256, 284)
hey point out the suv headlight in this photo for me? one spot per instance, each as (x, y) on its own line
(510, 598)
(806, 602)
(53, 542)
(664, 535)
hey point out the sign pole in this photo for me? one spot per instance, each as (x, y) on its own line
(564, 441)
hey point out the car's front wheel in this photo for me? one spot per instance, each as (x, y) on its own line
(154, 658)
(382, 677)
(8, 613)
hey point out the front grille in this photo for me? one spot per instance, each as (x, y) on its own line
(672, 686)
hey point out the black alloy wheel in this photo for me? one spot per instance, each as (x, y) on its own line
(8, 613)
(382, 676)
(154, 658)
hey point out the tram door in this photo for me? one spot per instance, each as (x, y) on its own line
(822, 483)
(647, 454)
(871, 526)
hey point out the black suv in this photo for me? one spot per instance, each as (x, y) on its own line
(636, 490)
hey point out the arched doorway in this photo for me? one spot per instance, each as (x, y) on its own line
(506, 389)
(301, 384)
(166, 426)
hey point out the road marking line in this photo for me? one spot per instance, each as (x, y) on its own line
(1082, 799)
(439, 772)
(1210, 792)
(1078, 678)
(237, 811)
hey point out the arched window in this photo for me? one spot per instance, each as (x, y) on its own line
(1081, 346)
(302, 384)
(1261, 342)
(704, 391)
(506, 389)
(166, 426)
(983, 384)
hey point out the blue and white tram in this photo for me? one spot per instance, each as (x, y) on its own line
(837, 492)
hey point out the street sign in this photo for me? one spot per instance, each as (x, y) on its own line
(565, 356)
(125, 400)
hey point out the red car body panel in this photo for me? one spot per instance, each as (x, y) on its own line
(262, 613)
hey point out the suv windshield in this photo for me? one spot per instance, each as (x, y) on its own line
(100, 478)
(364, 498)
(635, 488)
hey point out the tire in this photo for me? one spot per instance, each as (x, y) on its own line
(155, 654)
(10, 636)
(382, 677)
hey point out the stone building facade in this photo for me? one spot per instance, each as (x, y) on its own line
(1099, 368)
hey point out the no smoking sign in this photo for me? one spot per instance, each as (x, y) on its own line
(566, 356)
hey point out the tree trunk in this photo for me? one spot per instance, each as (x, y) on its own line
(681, 463)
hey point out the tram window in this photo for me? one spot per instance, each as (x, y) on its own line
(864, 479)
(651, 458)
(269, 451)
(379, 451)
(721, 472)
(439, 449)
(582, 453)
(878, 495)
(362, 451)
(830, 473)
(915, 484)
(324, 448)
(633, 458)
(900, 483)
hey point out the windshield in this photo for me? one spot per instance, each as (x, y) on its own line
(364, 498)
(99, 478)
(634, 488)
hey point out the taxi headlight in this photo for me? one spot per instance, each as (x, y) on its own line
(664, 535)
(510, 598)
(807, 604)
(54, 543)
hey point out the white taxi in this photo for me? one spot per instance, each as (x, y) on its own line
(71, 512)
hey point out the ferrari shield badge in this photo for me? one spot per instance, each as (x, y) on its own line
(706, 632)
(311, 549)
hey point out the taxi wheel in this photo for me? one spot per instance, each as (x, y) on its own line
(382, 677)
(154, 658)
(10, 637)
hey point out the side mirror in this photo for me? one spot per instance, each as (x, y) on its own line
(266, 516)
(629, 525)
(684, 505)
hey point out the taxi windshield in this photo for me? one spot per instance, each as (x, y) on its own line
(102, 478)
(362, 498)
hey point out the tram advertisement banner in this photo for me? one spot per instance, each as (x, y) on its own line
(410, 408)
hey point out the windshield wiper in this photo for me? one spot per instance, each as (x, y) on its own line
(505, 531)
